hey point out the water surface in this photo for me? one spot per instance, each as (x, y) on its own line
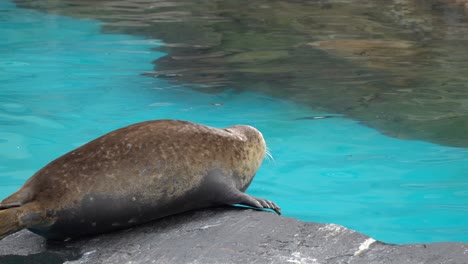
(395, 65)
(65, 82)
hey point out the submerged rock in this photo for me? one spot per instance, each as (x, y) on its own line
(398, 66)
(226, 235)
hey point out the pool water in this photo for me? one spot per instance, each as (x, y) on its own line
(63, 83)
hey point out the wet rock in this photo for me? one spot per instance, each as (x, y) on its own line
(226, 235)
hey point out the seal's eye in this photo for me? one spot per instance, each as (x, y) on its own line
(228, 130)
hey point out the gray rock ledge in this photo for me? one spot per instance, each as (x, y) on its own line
(226, 235)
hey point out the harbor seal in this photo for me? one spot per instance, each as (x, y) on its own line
(137, 174)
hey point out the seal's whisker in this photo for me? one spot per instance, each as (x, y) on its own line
(269, 156)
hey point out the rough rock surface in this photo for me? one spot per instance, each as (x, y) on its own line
(226, 235)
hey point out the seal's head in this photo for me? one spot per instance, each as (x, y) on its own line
(248, 153)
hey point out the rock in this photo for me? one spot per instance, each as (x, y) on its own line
(226, 235)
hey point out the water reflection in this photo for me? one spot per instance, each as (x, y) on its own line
(399, 66)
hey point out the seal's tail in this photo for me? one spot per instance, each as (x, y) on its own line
(9, 221)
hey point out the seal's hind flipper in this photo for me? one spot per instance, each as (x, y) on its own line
(16, 218)
(4, 206)
(9, 222)
(17, 199)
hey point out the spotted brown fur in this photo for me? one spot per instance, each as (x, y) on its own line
(137, 174)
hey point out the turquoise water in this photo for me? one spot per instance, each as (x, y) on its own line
(63, 83)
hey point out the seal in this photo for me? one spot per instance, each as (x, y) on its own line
(137, 174)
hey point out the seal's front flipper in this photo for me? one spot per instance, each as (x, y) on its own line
(245, 199)
(222, 189)
(268, 204)
(264, 203)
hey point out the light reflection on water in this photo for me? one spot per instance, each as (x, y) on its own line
(397, 66)
(70, 83)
